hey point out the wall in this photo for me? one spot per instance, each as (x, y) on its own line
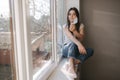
(72, 3)
(102, 22)
(69, 4)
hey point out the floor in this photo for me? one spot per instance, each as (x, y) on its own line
(58, 74)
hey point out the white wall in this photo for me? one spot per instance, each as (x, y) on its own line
(72, 3)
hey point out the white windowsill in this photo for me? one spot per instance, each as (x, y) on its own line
(58, 74)
(45, 71)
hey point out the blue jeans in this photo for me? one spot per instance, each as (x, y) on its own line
(71, 50)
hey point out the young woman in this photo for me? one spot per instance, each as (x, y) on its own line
(73, 47)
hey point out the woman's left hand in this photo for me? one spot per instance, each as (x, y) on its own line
(82, 49)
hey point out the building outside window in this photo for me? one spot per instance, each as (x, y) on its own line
(7, 65)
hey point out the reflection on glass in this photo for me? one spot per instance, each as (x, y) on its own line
(6, 43)
(41, 32)
(59, 31)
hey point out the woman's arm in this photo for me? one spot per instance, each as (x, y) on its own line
(80, 34)
(77, 42)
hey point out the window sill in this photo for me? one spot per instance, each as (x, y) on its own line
(45, 71)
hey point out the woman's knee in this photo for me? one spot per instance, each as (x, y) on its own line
(65, 51)
(90, 51)
(72, 45)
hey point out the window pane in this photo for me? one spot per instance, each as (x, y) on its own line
(60, 22)
(7, 67)
(41, 32)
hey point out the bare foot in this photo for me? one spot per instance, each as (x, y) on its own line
(72, 72)
(65, 66)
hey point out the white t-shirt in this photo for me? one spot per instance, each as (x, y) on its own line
(65, 38)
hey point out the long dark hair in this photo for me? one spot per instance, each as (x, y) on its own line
(77, 25)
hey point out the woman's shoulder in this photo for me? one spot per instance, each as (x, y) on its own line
(81, 25)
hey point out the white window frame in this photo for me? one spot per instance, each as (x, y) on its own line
(22, 41)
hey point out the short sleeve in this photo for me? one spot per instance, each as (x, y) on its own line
(82, 25)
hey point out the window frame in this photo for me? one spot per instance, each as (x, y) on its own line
(22, 43)
(21, 36)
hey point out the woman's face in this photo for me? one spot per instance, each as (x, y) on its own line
(71, 16)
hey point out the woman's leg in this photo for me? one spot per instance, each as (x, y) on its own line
(70, 52)
(71, 68)
(73, 52)
(71, 64)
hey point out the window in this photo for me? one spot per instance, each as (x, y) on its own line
(41, 33)
(7, 65)
(21, 48)
(61, 17)
(34, 37)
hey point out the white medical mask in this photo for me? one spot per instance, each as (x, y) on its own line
(75, 20)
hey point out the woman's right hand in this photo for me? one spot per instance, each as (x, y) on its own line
(82, 49)
(72, 28)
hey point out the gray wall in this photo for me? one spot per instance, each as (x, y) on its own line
(102, 22)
